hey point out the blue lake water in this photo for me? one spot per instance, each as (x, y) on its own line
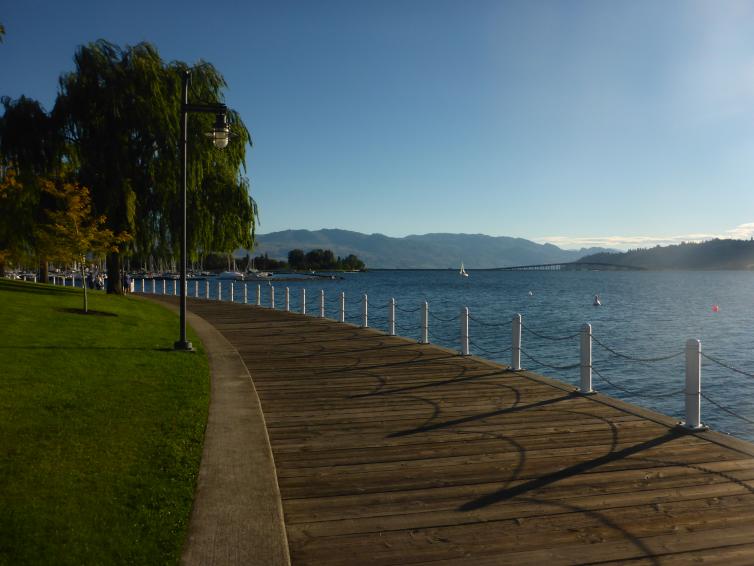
(643, 314)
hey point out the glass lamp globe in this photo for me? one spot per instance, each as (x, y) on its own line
(220, 134)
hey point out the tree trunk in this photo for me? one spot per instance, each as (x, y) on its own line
(44, 271)
(114, 280)
(83, 284)
(2, 269)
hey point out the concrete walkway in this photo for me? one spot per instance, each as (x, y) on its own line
(237, 517)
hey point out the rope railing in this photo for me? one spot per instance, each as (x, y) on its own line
(490, 324)
(551, 338)
(634, 393)
(386, 315)
(635, 359)
(727, 366)
(404, 328)
(399, 308)
(439, 339)
(549, 366)
(727, 410)
(441, 319)
(496, 352)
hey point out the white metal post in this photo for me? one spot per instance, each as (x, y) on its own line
(206, 288)
(232, 290)
(259, 295)
(586, 360)
(425, 323)
(272, 297)
(693, 385)
(365, 312)
(342, 306)
(175, 287)
(465, 331)
(219, 290)
(154, 286)
(303, 300)
(196, 288)
(245, 293)
(142, 284)
(322, 303)
(516, 346)
(163, 287)
(391, 316)
(287, 299)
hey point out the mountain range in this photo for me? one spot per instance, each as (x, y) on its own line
(427, 251)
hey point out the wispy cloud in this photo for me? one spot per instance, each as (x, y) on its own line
(740, 232)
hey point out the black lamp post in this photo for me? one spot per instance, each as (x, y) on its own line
(220, 136)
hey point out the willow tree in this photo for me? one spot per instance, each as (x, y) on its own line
(31, 147)
(121, 110)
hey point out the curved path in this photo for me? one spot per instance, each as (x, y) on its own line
(391, 452)
(237, 516)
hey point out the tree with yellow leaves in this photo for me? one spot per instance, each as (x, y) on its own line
(72, 233)
(13, 214)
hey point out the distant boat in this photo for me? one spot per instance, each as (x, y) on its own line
(254, 274)
(463, 273)
(231, 275)
(597, 302)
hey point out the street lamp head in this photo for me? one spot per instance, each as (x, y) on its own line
(220, 134)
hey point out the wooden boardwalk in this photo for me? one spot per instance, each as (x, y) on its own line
(390, 452)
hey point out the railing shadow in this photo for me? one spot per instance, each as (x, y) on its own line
(481, 416)
(580, 468)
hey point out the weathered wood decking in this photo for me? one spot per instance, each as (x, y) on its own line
(390, 452)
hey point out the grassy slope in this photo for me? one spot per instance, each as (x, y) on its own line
(101, 427)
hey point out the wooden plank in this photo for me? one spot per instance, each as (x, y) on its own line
(391, 452)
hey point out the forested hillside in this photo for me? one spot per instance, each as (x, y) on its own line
(714, 254)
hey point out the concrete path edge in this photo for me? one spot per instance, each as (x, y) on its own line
(237, 516)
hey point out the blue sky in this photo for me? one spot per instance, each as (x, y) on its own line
(579, 123)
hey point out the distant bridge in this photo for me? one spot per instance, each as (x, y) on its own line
(572, 266)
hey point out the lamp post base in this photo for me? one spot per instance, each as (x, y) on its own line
(183, 346)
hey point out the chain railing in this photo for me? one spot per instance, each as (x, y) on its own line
(550, 338)
(429, 327)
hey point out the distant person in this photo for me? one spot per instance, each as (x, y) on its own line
(89, 280)
(126, 283)
(99, 282)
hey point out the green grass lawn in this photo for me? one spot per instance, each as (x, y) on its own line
(101, 428)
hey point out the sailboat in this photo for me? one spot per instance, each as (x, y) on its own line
(231, 274)
(463, 273)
